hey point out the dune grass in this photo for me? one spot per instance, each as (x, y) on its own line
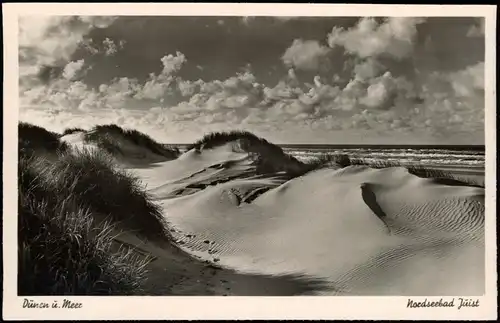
(107, 137)
(70, 131)
(269, 158)
(342, 160)
(327, 160)
(63, 249)
(214, 139)
(71, 207)
(33, 138)
(109, 190)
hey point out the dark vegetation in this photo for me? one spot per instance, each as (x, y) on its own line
(33, 139)
(107, 137)
(342, 160)
(73, 203)
(71, 207)
(61, 249)
(108, 190)
(328, 160)
(70, 131)
(215, 139)
(269, 158)
(64, 247)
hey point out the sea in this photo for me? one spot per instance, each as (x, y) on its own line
(469, 157)
(441, 157)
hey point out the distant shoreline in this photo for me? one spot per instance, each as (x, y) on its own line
(364, 146)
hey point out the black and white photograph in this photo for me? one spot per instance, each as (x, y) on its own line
(251, 155)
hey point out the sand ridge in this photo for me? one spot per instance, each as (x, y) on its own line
(349, 231)
(345, 227)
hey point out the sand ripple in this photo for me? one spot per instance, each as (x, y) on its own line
(363, 231)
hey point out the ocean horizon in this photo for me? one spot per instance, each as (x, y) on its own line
(456, 156)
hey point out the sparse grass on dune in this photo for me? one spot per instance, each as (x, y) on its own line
(71, 205)
(70, 131)
(342, 160)
(144, 140)
(107, 138)
(62, 250)
(33, 138)
(108, 190)
(215, 139)
(269, 158)
(327, 160)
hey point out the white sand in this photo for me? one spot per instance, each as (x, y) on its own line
(132, 155)
(429, 242)
(76, 140)
(359, 231)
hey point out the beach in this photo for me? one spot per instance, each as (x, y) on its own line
(350, 231)
(236, 215)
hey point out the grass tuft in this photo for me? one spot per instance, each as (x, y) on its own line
(328, 160)
(269, 158)
(33, 139)
(109, 137)
(70, 131)
(215, 139)
(62, 248)
(332, 160)
(109, 190)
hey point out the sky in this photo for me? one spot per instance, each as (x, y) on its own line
(331, 80)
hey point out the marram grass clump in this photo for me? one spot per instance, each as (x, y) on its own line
(70, 131)
(109, 138)
(342, 161)
(108, 190)
(269, 158)
(63, 249)
(34, 139)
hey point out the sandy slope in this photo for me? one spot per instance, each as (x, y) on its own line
(131, 155)
(360, 231)
(77, 140)
(353, 231)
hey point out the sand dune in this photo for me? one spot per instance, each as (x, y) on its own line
(77, 140)
(349, 231)
(360, 231)
(127, 147)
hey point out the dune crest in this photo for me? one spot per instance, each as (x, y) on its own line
(127, 147)
(236, 208)
(363, 231)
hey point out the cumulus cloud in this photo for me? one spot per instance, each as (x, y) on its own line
(237, 92)
(110, 48)
(369, 96)
(72, 68)
(89, 46)
(188, 88)
(48, 39)
(466, 81)
(46, 44)
(394, 37)
(159, 85)
(172, 64)
(368, 69)
(305, 55)
(380, 92)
